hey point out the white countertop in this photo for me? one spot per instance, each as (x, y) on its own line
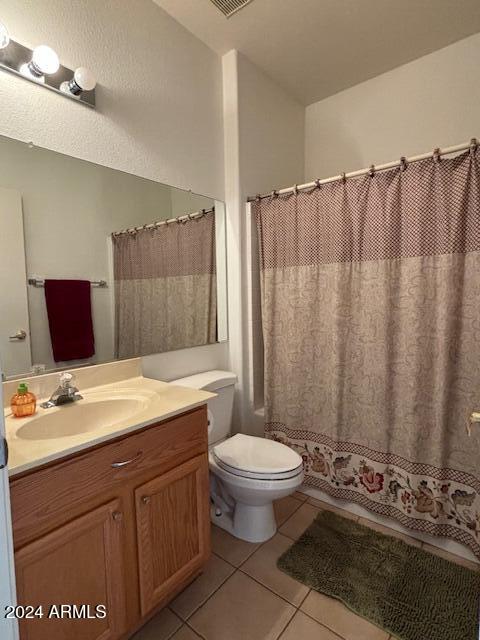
(157, 401)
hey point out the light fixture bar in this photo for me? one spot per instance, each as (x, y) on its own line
(15, 57)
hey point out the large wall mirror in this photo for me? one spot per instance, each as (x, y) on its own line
(99, 265)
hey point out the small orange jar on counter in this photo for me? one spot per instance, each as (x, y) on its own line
(24, 402)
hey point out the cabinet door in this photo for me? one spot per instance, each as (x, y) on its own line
(173, 529)
(79, 564)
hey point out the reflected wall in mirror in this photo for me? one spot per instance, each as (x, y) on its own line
(98, 264)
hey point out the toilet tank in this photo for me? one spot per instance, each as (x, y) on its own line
(219, 408)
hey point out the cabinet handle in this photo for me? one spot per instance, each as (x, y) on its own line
(146, 499)
(116, 465)
(117, 515)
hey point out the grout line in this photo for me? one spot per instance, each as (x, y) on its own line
(208, 597)
(289, 537)
(251, 554)
(322, 624)
(177, 616)
(285, 627)
(194, 631)
(269, 589)
(187, 621)
(306, 596)
(243, 561)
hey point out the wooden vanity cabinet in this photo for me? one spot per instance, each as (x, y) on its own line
(90, 530)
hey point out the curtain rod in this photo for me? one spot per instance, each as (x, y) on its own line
(403, 162)
(153, 225)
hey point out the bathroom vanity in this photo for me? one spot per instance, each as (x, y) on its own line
(119, 517)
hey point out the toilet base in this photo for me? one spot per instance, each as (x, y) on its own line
(249, 522)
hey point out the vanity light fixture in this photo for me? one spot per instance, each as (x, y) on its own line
(4, 36)
(83, 80)
(42, 66)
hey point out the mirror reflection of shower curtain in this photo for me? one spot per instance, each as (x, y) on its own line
(165, 287)
(371, 323)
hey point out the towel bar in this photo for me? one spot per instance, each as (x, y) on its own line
(40, 282)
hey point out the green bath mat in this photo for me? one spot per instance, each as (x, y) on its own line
(411, 593)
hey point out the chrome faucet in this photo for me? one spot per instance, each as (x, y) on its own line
(64, 394)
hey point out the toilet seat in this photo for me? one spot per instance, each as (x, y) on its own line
(257, 458)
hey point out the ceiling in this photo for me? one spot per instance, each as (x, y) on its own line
(315, 48)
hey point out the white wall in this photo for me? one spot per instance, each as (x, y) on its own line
(159, 102)
(431, 102)
(264, 149)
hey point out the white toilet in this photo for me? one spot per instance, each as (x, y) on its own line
(247, 473)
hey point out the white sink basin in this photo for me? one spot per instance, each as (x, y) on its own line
(94, 412)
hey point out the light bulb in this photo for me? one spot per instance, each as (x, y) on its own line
(83, 80)
(44, 61)
(4, 36)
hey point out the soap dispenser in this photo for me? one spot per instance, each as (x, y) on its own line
(24, 402)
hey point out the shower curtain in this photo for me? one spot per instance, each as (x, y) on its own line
(165, 287)
(371, 320)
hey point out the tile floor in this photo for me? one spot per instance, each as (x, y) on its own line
(243, 596)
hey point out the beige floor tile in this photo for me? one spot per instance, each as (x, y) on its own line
(216, 572)
(262, 566)
(325, 506)
(284, 508)
(334, 615)
(161, 627)
(300, 496)
(242, 610)
(301, 627)
(299, 521)
(231, 549)
(185, 633)
(390, 532)
(451, 557)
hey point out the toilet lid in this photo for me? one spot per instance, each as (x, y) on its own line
(251, 455)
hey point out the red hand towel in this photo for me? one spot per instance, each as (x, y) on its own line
(70, 319)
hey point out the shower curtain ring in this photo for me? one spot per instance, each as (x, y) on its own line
(318, 184)
(344, 177)
(436, 155)
(403, 163)
(295, 189)
(274, 194)
(473, 145)
(258, 197)
(371, 171)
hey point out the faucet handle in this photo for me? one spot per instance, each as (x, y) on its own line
(66, 379)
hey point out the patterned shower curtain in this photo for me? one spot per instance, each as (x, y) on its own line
(165, 287)
(371, 321)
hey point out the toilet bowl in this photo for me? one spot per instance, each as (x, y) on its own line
(247, 473)
(243, 489)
